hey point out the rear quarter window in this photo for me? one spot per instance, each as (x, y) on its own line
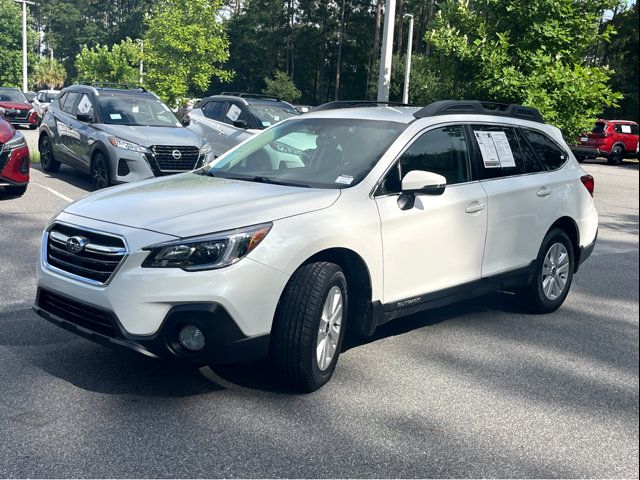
(549, 152)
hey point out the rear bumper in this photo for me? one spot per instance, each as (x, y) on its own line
(224, 342)
(585, 252)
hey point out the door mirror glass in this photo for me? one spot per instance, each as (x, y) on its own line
(85, 117)
(425, 183)
(185, 120)
(240, 124)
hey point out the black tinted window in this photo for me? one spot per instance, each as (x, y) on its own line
(442, 150)
(214, 110)
(548, 150)
(599, 127)
(634, 129)
(70, 102)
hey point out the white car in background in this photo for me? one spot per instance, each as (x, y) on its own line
(230, 118)
(337, 220)
(42, 101)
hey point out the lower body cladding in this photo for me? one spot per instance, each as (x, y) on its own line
(212, 316)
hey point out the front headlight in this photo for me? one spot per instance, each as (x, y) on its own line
(205, 148)
(16, 141)
(134, 147)
(207, 252)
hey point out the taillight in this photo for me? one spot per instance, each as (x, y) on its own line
(589, 183)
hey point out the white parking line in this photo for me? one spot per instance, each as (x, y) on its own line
(55, 192)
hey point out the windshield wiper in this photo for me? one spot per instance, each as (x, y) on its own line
(260, 179)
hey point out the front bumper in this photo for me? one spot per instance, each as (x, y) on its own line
(224, 342)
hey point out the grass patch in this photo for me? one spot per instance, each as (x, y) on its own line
(34, 157)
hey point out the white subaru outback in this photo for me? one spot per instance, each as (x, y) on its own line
(342, 219)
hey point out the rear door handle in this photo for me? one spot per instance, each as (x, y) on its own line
(475, 207)
(544, 192)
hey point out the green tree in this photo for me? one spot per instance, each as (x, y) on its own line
(120, 64)
(48, 73)
(281, 86)
(531, 53)
(11, 43)
(185, 46)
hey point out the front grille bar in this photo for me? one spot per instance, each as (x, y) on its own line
(104, 250)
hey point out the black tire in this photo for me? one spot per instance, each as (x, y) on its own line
(534, 294)
(100, 172)
(15, 191)
(297, 326)
(616, 156)
(47, 160)
(33, 127)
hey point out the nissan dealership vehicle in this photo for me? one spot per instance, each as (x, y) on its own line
(117, 135)
(42, 101)
(14, 161)
(16, 109)
(613, 139)
(333, 221)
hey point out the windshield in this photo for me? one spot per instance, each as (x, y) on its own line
(48, 97)
(136, 110)
(12, 96)
(311, 152)
(268, 115)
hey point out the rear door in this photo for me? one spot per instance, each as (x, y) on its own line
(520, 194)
(82, 139)
(64, 121)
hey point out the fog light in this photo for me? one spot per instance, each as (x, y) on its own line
(191, 338)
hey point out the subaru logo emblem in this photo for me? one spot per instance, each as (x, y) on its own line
(76, 244)
(177, 154)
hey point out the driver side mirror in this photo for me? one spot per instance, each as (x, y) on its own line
(420, 182)
(185, 121)
(85, 117)
(240, 124)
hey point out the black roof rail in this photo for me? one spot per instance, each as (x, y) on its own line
(123, 86)
(452, 107)
(251, 95)
(356, 104)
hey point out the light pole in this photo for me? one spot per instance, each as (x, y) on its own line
(407, 72)
(24, 42)
(384, 79)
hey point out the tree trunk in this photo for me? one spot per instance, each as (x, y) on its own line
(429, 18)
(339, 61)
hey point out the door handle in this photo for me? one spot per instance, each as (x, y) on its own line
(475, 207)
(544, 192)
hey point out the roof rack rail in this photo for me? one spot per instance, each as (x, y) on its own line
(251, 95)
(453, 107)
(124, 86)
(356, 104)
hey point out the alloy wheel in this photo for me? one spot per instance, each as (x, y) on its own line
(330, 325)
(555, 271)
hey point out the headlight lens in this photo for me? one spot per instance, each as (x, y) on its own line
(205, 148)
(207, 252)
(16, 141)
(118, 142)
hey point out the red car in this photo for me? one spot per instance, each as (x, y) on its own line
(614, 139)
(16, 109)
(14, 160)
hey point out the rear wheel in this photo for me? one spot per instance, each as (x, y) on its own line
(309, 326)
(47, 161)
(100, 172)
(553, 274)
(616, 156)
(15, 191)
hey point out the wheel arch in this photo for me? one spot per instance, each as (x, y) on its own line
(570, 227)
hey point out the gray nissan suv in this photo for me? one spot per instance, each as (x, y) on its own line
(117, 135)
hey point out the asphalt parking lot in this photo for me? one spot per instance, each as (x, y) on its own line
(478, 389)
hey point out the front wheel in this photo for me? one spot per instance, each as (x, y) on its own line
(100, 172)
(553, 274)
(47, 160)
(15, 191)
(616, 156)
(309, 326)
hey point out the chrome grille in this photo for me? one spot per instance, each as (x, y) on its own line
(95, 260)
(165, 156)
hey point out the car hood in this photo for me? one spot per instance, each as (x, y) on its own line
(191, 204)
(147, 136)
(16, 105)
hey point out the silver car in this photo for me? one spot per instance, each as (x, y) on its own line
(117, 135)
(230, 118)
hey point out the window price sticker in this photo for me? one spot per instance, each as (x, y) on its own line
(495, 149)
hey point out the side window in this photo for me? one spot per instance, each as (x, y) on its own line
(70, 103)
(549, 152)
(623, 128)
(85, 106)
(61, 100)
(214, 110)
(504, 152)
(442, 150)
(235, 112)
(634, 129)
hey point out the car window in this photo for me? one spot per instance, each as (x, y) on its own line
(214, 110)
(623, 128)
(136, 110)
(599, 127)
(12, 96)
(634, 129)
(234, 112)
(85, 106)
(549, 152)
(443, 151)
(70, 102)
(268, 115)
(315, 152)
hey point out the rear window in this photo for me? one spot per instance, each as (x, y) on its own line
(549, 152)
(599, 127)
